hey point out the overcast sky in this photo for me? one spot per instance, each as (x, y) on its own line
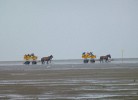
(66, 28)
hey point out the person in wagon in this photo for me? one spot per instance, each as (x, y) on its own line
(91, 53)
(83, 53)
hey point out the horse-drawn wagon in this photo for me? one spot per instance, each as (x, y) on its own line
(88, 57)
(30, 58)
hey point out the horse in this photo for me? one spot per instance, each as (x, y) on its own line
(47, 59)
(105, 58)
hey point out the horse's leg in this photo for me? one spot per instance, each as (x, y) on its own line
(102, 60)
(42, 62)
(106, 60)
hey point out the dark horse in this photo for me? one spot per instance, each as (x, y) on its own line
(47, 59)
(105, 58)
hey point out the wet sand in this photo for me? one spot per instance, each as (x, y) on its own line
(69, 82)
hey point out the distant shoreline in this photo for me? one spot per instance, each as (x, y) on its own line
(113, 59)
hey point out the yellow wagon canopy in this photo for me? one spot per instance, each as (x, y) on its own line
(88, 55)
(30, 57)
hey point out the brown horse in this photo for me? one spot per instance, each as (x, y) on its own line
(47, 59)
(102, 58)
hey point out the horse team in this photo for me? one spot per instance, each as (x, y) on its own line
(46, 59)
(49, 59)
(102, 58)
(32, 58)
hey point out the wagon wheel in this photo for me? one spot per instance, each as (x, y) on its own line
(85, 60)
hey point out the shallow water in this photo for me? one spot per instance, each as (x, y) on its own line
(73, 61)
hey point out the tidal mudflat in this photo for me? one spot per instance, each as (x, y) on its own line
(69, 82)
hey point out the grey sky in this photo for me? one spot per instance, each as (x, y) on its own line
(66, 28)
